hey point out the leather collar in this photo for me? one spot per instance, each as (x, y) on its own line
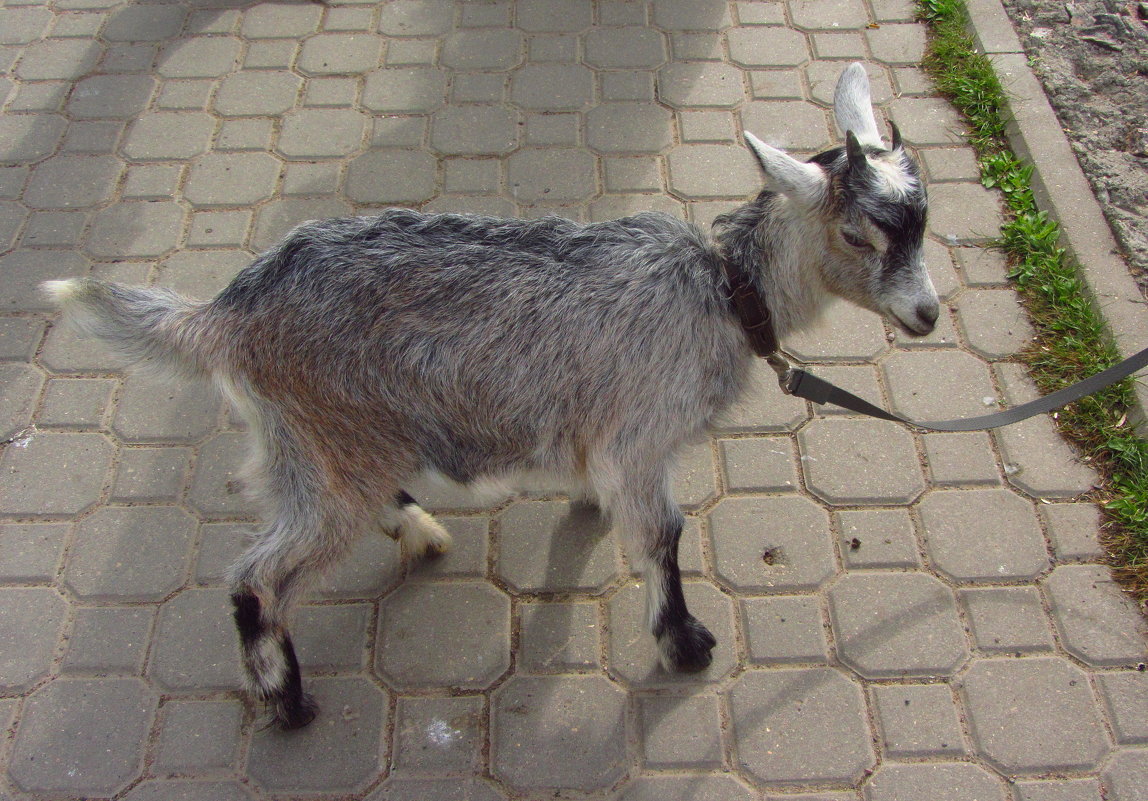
(749, 307)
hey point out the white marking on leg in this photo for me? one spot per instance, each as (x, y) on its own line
(419, 533)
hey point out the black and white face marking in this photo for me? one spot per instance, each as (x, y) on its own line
(879, 236)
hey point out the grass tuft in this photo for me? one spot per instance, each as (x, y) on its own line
(1072, 342)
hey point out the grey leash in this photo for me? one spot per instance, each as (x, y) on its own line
(805, 385)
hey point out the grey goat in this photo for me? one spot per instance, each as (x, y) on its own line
(364, 351)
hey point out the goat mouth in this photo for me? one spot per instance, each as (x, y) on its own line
(917, 328)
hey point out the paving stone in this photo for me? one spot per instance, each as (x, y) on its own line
(139, 229)
(412, 52)
(759, 465)
(30, 552)
(1125, 694)
(580, 552)
(1039, 461)
(19, 339)
(26, 138)
(551, 175)
(245, 134)
(66, 351)
(633, 654)
(1074, 529)
(371, 569)
(959, 546)
(472, 50)
(69, 182)
(848, 461)
(917, 720)
(108, 639)
(553, 130)
(629, 85)
(54, 474)
(897, 44)
(12, 216)
(877, 538)
(763, 408)
(23, 25)
(337, 753)
(402, 789)
(558, 637)
(195, 647)
(784, 629)
(701, 85)
(1007, 619)
(148, 23)
(57, 59)
(1097, 622)
(649, 128)
(161, 790)
(942, 384)
(950, 164)
(938, 782)
(199, 57)
(828, 14)
(1125, 778)
(53, 752)
(332, 92)
(220, 544)
(442, 736)
(54, 228)
(478, 176)
(332, 638)
(1033, 715)
(161, 410)
(320, 133)
(964, 213)
(891, 625)
(128, 57)
(697, 47)
(552, 87)
(771, 544)
(257, 93)
(706, 126)
(693, 787)
(558, 732)
(199, 275)
(231, 179)
(778, 84)
(800, 726)
(927, 121)
(385, 177)
(408, 90)
(468, 645)
(852, 335)
(93, 136)
(306, 178)
(681, 732)
(961, 458)
(692, 169)
(467, 555)
(767, 47)
(637, 174)
(994, 323)
(473, 130)
(29, 630)
(682, 15)
(983, 266)
(553, 15)
(278, 217)
(612, 207)
(560, 48)
(20, 386)
(150, 182)
(119, 97)
(1058, 790)
(624, 48)
(273, 21)
(130, 554)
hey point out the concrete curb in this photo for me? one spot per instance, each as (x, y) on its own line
(1060, 187)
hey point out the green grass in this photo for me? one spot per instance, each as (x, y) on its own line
(1071, 341)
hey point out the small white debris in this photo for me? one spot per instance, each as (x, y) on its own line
(988, 400)
(952, 239)
(1040, 33)
(441, 734)
(1011, 469)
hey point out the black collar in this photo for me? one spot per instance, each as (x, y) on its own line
(749, 307)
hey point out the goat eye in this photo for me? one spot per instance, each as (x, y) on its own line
(854, 240)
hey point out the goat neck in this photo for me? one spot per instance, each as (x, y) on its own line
(780, 248)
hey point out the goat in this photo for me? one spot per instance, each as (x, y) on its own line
(364, 351)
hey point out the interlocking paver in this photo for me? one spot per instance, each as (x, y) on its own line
(1100, 625)
(140, 229)
(1074, 529)
(759, 465)
(56, 474)
(1126, 777)
(52, 752)
(681, 731)
(564, 731)
(940, 384)
(439, 735)
(30, 552)
(401, 789)
(1033, 715)
(108, 639)
(1058, 790)
(118, 97)
(963, 458)
(1007, 619)
(876, 538)
(855, 335)
(784, 628)
(864, 462)
(956, 541)
(183, 790)
(651, 128)
(20, 386)
(29, 628)
(799, 726)
(771, 544)
(918, 720)
(701, 85)
(199, 57)
(231, 179)
(1125, 694)
(551, 175)
(482, 50)
(553, 87)
(321, 133)
(687, 788)
(767, 47)
(390, 177)
(890, 625)
(552, 546)
(69, 182)
(938, 782)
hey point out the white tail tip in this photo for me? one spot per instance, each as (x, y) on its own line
(61, 291)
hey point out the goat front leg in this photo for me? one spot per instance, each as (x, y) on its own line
(683, 642)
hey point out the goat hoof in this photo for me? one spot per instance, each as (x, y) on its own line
(296, 715)
(687, 647)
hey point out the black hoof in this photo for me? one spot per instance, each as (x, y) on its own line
(291, 714)
(687, 647)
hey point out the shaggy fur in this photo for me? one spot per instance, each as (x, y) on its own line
(364, 351)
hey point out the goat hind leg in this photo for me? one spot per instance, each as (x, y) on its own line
(416, 530)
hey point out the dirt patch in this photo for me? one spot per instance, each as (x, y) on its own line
(1092, 57)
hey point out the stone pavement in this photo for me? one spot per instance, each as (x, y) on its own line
(901, 617)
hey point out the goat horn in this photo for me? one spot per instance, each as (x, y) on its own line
(897, 145)
(857, 160)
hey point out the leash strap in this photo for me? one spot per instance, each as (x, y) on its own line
(808, 386)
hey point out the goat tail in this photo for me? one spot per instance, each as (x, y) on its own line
(151, 328)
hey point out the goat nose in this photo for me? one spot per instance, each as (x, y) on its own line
(928, 313)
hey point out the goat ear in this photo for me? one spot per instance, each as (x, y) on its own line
(798, 179)
(853, 108)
